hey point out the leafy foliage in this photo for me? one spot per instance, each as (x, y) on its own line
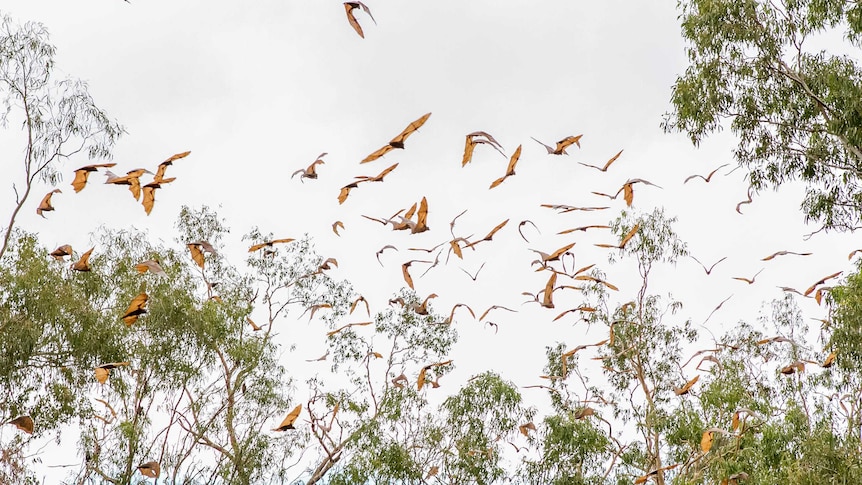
(795, 109)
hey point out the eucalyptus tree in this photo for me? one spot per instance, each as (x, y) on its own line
(760, 67)
(612, 428)
(204, 379)
(770, 401)
(58, 117)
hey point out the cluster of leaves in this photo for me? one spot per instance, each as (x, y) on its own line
(797, 110)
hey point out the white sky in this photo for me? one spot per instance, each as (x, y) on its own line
(257, 89)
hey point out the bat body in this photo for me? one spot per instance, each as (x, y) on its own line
(398, 141)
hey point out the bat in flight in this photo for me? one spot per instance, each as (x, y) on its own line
(750, 281)
(473, 140)
(311, 171)
(289, 419)
(821, 281)
(421, 218)
(24, 423)
(104, 370)
(490, 235)
(607, 164)
(150, 469)
(420, 382)
(62, 251)
(132, 179)
(345, 327)
(45, 205)
(744, 202)
(83, 263)
(510, 170)
(83, 173)
(628, 237)
(269, 244)
(708, 177)
(708, 271)
(335, 226)
(406, 274)
(136, 308)
(159, 178)
(349, 7)
(628, 189)
(197, 249)
(398, 141)
(151, 265)
(149, 191)
(560, 149)
(784, 253)
(345, 191)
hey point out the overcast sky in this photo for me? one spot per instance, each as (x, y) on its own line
(256, 90)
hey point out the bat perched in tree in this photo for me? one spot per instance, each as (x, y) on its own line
(510, 170)
(398, 141)
(289, 419)
(83, 173)
(45, 205)
(83, 264)
(560, 149)
(349, 7)
(310, 172)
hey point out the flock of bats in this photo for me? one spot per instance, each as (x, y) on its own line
(414, 220)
